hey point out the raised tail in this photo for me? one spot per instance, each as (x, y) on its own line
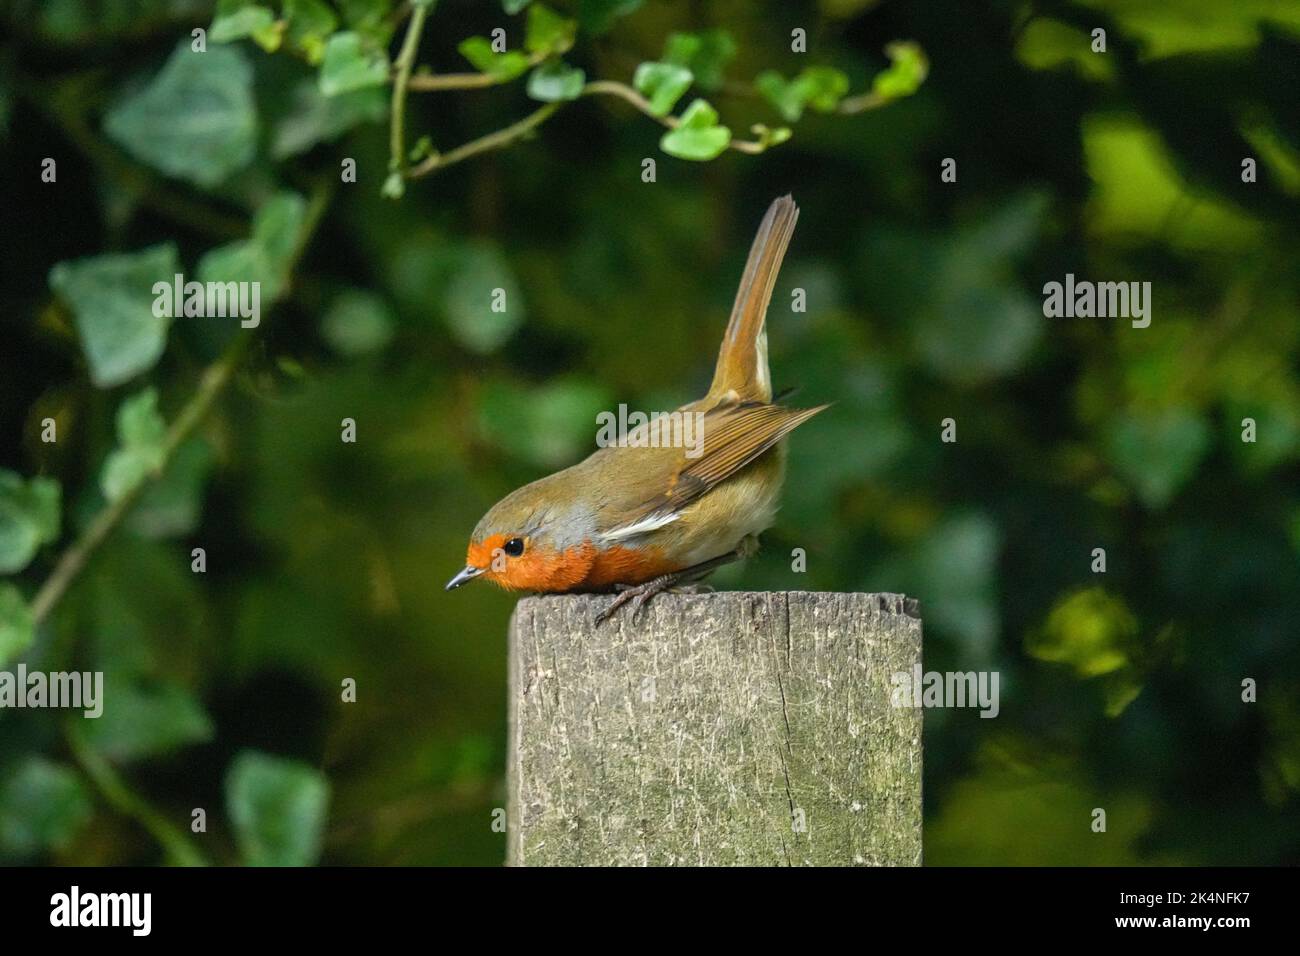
(742, 373)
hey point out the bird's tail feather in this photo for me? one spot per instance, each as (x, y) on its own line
(742, 373)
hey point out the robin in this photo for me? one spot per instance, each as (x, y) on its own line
(640, 519)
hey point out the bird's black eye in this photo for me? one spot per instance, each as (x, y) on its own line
(514, 547)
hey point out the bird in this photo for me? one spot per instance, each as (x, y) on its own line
(637, 519)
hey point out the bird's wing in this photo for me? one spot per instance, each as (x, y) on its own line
(734, 436)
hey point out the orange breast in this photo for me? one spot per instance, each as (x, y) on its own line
(619, 565)
(582, 568)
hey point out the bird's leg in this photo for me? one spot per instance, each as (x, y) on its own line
(639, 594)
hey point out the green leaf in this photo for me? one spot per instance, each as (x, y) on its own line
(17, 627)
(555, 81)
(310, 24)
(819, 87)
(196, 120)
(663, 84)
(547, 31)
(514, 6)
(1090, 631)
(706, 54)
(371, 18)
(597, 16)
(112, 300)
(172, 506)
(277, 808)
(265, 256)
(352, 62)
(768, 136)
(1158, 452)
(475, 272)
(358, 323)
(315, 118)
(236, 19)
(822, 87)
(698, 137)
(141, 445)
(29, 518)
(43, 805)
(146, 720)
(547, 425)
(478, 51)
(906, 73)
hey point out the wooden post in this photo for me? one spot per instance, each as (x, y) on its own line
(729, 728)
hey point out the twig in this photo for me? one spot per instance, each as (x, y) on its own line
(214, 379)
(437, 82)
(405, 60)
(629, 95)
(862, 102)
(504, 137)
(498, 140)
(179, 849)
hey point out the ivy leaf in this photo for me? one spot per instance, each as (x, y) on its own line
(147, 720)
(17, 627)
(371, 18)
(43, 805)
(351, 62)
(141, 445)
(112, 301)
(1089, 630)
(698, 137)
(598, 16)
(358, 323)
(1158, 452)
(196, 120)
(823, 87)
(769, 136)
(663, 84)
(706, 54)
(310, 24)
(237, 19)
(819, 87)
(172, 506)
(315, 118)
(277, 808)
(264, 256)
(543, 424)
(476, 271)
(29, 518)
(555, 81)
(547, 31)
(478, 51)
(907, 70)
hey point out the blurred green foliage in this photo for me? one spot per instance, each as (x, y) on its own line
(324, 560)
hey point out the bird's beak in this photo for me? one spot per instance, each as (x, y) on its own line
(468, 574)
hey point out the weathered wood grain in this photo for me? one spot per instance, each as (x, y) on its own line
(729, 728)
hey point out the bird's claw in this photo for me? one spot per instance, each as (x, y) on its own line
(636, 594)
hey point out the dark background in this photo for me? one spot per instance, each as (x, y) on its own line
(326, 560)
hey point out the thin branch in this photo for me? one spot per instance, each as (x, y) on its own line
(180, 850)
(505, 137)
(405, 60)
(629, 95)
(498, 140)
(862, 102)
(437, 82)
(214, 379)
